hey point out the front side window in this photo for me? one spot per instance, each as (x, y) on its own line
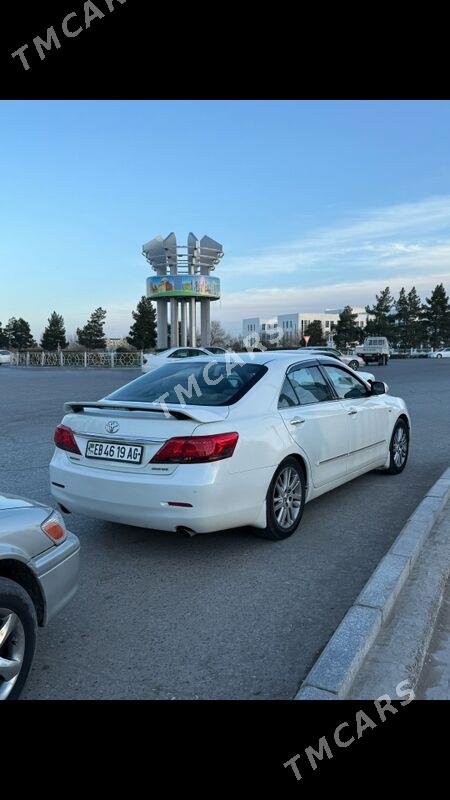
(309, 385)
(345, 385)
(199, 383)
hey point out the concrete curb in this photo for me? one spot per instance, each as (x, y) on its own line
(334, 671)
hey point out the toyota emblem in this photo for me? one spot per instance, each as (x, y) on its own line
(112, 426)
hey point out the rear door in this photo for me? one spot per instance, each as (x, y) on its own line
(317, 422)
(368, 417)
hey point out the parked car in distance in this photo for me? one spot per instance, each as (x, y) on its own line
(5, 357)
(374, 348)
(352, 361)
(211, 444)
(443, 353)
(39, 561)
(151, 362)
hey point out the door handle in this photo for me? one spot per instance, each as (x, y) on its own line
(297, 420)
(353, 411)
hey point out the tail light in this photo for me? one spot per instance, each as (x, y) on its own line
(65, 439)
(54, 527)
(145, 360)
(196, 449)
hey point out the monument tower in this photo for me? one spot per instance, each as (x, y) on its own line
(183, 279)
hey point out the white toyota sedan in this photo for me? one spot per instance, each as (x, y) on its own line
(151, 362)
(209, 444)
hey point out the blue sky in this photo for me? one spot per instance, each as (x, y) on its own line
(317, 204)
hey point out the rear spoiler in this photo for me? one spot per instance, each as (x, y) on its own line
(196, 413)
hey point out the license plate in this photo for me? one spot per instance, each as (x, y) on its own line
(130, 454)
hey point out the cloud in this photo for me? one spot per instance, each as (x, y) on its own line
(388, 233)
(347, 262)
(267, 303)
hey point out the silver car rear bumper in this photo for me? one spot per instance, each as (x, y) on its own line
(57, 571)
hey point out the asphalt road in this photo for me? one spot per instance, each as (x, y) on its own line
(219, 616)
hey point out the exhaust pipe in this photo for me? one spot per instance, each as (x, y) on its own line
(188, 532)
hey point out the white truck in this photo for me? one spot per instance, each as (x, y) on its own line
(374, 348)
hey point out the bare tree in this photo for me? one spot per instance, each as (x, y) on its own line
(218, 336)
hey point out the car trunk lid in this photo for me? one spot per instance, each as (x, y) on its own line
(143, 427)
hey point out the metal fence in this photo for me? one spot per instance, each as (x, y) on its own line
(75, 358)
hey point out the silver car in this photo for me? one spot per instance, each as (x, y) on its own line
(39, 563)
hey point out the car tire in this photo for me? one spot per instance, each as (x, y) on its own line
(354, 365)
(439, 355)
(285, 499)
(399, 452)
(20, 643)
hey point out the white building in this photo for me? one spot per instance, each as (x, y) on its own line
(114, 343)
(292, 326)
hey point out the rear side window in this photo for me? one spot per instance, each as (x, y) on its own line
(186, 353)
(309, 385)
(201, 383)
(287, 398)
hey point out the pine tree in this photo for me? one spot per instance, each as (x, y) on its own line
(436, 312)
(315, 331)
(18, 334)
(408, 330)
(401, 318)
(92, 335)
(380, 321)
(143, 330)
(346, 330)
(54, 334)
(3, 337)
(415, 329)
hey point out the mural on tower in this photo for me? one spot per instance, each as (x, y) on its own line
(183, 286)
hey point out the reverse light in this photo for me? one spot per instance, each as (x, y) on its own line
(65, 440)
(196, 449)
(55, 527)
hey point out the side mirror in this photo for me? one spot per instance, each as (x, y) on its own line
(379, 387)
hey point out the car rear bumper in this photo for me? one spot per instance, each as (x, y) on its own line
(216, 499)
(57, 571)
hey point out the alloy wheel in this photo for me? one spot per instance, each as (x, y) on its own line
(287, 498)
(400, 446)
(12, 650)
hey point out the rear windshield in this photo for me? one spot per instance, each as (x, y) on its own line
(204, 383)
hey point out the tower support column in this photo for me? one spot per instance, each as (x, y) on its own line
(205, 322)
(161, 324)
(183, 323)
(174, 339)
(192, 322)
